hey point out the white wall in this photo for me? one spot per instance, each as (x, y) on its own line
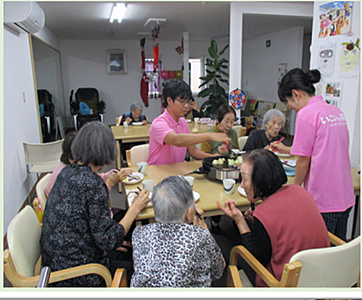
(20, 121)
(260, 63)
(84, 65)
(350, 96)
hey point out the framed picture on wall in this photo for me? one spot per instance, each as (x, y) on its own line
(116, 62)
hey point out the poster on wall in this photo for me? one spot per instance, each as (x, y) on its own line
(349, 57)
(326, 57)
(282, 70)
(332, 93)
(335, 18)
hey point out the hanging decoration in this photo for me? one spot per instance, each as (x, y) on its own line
(144, 79)
(171, 74)
(155, 33)
(237, 98)
(180, 49)
(178, 74)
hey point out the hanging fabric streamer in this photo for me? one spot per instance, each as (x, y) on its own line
(155, 33)
(144, 79)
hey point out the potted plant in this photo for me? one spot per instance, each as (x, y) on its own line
(215, 75)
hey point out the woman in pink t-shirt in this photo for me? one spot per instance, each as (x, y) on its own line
(321, 143)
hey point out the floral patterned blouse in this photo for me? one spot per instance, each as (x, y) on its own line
(77, 227)
(175, 255)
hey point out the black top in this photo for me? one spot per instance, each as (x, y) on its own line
(258, 140)
(77, 225)
(260, 246)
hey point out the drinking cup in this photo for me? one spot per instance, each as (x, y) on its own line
(142, 166)
(125, 124)
(196, 120)
(229, 186)
(190, 180)
(148, 185)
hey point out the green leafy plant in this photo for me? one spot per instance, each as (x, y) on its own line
(214, 75)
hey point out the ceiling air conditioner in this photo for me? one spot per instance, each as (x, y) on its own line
(25, 15)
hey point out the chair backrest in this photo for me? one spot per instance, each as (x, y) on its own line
(40, 189)
(23, 236)
(43, 157)
(242, 141)
(137, 153)
(337, 266)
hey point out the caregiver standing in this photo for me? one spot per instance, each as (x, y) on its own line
(321, 143)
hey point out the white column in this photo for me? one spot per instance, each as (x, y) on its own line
(235, 51)
(186, 57)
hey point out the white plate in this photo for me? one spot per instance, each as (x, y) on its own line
(188, 120)
(137, 123)
(132, 195)
(134, 181)
(241, 191)
(282, 154)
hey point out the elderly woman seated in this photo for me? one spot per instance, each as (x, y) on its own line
(286, 222)
(178, 251)
(225, 118)
(77, 228)
(273, 121)
(134, 115)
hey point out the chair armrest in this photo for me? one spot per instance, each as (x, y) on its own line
(128, 158)
(290, 274)
(232, 277)
(80, 271)
(335, 240)
(119, 278)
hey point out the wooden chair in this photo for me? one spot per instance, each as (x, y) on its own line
(242, 141)
(42, 157)
(325, 267)
(41, 199)
(22, 260)
(136, 154)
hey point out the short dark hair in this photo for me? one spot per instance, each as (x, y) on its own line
(67, 153)
(223, 110)
(296, 79)
(268, 174)
(175, 88)
(94, 143)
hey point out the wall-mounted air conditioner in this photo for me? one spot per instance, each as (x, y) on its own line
(25, 15)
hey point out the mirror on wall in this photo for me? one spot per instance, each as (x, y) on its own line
(49, 86)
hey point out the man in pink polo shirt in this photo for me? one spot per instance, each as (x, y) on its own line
(321, 142)
(170, 136)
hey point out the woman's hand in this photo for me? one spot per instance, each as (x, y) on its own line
(144, 122)
(197, 220)
(222, 149)
(128, 120)
(249, 214)
(118, 176)
(140, 202)
(125, 244)
(231, 211)
(280, 147)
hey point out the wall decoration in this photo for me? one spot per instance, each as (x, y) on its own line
(237, 98)
(282, 70)
(335, 18)
(332, 93)
(349, 58)
(326, 57)
(116, 62)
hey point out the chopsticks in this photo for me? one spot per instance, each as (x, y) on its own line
(280, 140)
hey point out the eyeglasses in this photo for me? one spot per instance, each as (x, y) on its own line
(184, 101)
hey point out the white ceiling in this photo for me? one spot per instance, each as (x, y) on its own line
(203, 20)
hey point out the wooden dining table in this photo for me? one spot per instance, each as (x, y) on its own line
(141, 133)
(210, 190)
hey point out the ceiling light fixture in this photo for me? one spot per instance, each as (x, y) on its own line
(118, 11)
